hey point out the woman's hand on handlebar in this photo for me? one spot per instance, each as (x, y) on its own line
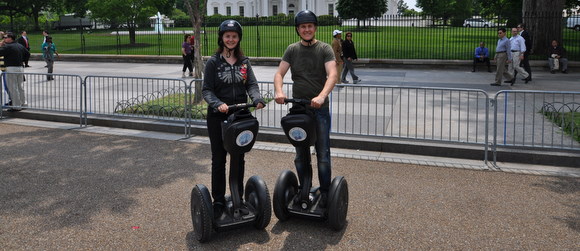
(223, 108)
(259, 106)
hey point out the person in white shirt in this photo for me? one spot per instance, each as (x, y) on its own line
(518, 48)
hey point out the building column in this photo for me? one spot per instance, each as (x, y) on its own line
(265, 8)
(284, 7)
(302, 5)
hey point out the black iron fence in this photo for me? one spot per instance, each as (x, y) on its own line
(389, 37)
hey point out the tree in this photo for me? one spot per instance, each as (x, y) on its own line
(195, 10)
(402, 7)
(544, 20)
(29, 8)
(437, 9)
(129, 12)
(361, 9)
(502, 9)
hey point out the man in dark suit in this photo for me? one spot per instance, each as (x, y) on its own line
(526, 35)
(23, 40)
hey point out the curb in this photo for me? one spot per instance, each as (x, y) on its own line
(522, 155)
(274, 61)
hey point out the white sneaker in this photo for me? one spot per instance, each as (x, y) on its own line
(344, 81)
(183, 75)
(356, 81)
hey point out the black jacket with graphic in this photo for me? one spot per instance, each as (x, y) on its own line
(229, 84)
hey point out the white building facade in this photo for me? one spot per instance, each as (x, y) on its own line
(251, 8)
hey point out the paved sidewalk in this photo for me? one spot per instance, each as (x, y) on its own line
(65, 188)
(447, 78)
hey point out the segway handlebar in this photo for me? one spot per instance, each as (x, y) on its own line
(297, 101)
(240, 106)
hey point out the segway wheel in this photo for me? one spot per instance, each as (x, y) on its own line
(201, 213)
(257, 195)
(338, 203)
(285, 190)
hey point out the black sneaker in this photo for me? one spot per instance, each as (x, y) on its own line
(323, 199)
(218, 210)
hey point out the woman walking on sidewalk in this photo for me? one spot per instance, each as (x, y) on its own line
(48, 51)
(186, 54)
(349, 53)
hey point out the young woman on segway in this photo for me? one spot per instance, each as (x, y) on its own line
(232, 129)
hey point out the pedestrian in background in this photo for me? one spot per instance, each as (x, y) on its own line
(337, 48)
(528, 41)
(192, 43)
(44, 35)
(3, 69)
(481, 56)
(502, 57)
(23, 40)
(14, 54)
(518, 47)
(48, 51)
(186, 54)
(349, 53)
(557, 58)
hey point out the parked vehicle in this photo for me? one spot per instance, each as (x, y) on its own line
(71, 22)
(573, 22)
(477, 22)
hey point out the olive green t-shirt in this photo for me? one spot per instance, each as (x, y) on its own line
(307, 68)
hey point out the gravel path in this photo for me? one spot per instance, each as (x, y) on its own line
(75, 190)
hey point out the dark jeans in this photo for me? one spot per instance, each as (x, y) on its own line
(187, 63)
(322, 150)
(218, 157)
(481, 60)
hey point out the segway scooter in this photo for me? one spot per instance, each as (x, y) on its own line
(239, 133)
(291, 200)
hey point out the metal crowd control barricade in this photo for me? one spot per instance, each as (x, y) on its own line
(161, 99)
(432, 114)
(421, 113)
(62, 94)
(536, 119)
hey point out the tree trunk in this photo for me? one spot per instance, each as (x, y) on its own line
(132, 39)
(196, 16)
(543, 20)
(36, 23)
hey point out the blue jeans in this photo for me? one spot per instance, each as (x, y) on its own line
(322, 145)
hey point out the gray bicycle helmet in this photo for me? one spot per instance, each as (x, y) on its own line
(229, 25)
(305, 16)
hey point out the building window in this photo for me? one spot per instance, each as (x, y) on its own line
(242, 11)
(228, 11)
(215, 10)
(274, 10)
(331, 9)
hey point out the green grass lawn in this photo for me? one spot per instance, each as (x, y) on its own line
(568, 121)
(271, 41)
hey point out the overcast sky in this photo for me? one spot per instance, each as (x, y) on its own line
(411, 4)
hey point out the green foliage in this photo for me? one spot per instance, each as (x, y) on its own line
(361, 9)
(130, 12)
(568, 121)
(503, 8)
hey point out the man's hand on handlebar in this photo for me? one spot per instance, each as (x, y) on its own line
(280, 97)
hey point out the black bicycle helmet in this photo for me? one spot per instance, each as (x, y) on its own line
(229, 25)
(305, 16)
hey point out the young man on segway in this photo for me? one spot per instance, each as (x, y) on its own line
(313, 67)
